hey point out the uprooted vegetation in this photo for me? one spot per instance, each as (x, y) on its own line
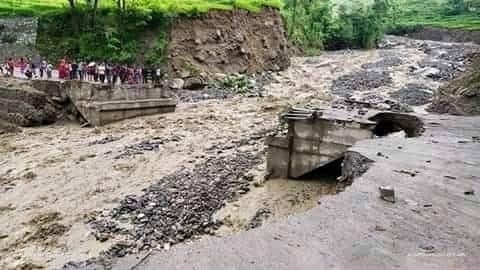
(462, 95)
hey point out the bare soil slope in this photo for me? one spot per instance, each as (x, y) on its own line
(228, 42)
(461, 96)
(23, 105)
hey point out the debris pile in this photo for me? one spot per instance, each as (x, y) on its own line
(461, 96)
(386, 62)
(413, 94)
(146, 146)
(228, 87)
(346, 85)
(178, 207)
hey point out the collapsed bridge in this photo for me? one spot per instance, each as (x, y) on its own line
(317, 138)
(40, 102)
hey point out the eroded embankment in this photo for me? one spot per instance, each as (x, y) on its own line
(228, 42)
(461, 96)
(23, 105)
(445, 35)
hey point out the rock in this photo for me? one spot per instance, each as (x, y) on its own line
(383, 106)
(469, 192)
(194, 83)
(413, 94)
(379, 228)
(387, 193)
(177, 83)
(30, 176)
(180, 205)
(427, 248)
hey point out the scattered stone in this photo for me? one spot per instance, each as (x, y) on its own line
(450, 177)
(30, 175)
(385, 62)
(360, 81)
(105, 140)
(387, 193)
(412, 174)
(177, 84)
(439, 70)
(371, 102)
(413, 95)
(146, 146)
(178, 207)
(379, 228)
(194, 83)
(427, 248)
(225, 87)
(260, 216)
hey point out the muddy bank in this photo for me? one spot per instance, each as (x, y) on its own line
(228, 42)
(461, 96)
(445, 35)
(23, 105)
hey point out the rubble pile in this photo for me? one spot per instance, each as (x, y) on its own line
(363, 80)
(386, 62)
(413, 94)
(178, 207)
(146, 146)
(228, 87)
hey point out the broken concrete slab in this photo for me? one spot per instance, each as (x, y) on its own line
(316, 138)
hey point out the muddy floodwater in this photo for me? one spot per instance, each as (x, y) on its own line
(70, 193)
(272, 200)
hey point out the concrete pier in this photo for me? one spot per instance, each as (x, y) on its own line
(100, 104)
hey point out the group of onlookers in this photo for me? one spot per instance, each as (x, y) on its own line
(71, 70)
(27, 68)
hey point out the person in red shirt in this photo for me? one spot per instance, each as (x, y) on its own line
(62, 70)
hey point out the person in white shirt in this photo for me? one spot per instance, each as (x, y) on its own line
(101, 72)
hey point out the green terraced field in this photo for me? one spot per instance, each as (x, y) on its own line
(37, 7)
(430, 13)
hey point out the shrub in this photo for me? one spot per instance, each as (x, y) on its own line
(317, 24)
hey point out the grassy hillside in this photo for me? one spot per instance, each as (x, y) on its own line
(39, 7)
(439, 13)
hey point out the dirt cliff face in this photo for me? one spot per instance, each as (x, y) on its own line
(237, 41)
(461, 96)
(23, 105)
(445, 35)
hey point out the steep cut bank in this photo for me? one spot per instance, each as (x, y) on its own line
(445, 35)
(23, 105)
(462, 95)
(236, 41)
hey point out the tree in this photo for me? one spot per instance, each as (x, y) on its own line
(72, 4)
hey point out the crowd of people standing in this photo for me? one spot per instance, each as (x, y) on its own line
(102, 72)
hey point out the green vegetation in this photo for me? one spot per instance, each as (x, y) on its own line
(113, 29)
(40, 7)
(321, 24)
(458, 14)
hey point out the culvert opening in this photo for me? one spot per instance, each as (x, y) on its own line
(328, 172)
(396, 123)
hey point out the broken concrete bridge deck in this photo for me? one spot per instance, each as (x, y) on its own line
(432, 225)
